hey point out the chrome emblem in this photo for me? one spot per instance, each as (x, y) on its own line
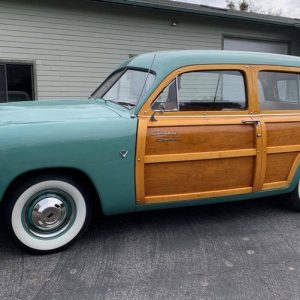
(123, 153)
(164, 136)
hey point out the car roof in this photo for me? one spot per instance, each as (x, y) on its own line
(180, 58)
(164, 62)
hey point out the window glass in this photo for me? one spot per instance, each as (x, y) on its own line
(279, 90)
(211, 90)
(19, 82)
(125, 87)
(167, 99)
(16, 82)
(3, 96)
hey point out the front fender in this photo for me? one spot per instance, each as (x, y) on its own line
(89, 146)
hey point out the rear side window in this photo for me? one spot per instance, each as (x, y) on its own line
(211, 91)
(279, 90)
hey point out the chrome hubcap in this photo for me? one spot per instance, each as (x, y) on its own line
(48, 213)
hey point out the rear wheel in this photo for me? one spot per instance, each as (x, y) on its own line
(295, 198)
(47, 214)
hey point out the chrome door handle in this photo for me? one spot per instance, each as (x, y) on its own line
(255, 122)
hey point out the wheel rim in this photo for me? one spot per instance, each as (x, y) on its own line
(49, 214)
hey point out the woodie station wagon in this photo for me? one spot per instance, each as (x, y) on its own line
(166, 129)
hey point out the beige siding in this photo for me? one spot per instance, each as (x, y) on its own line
(75, 45)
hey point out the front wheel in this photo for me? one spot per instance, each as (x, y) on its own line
(47, 215)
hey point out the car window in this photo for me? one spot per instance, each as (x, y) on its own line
(204, 91)
(211, 91)
(167, 100)
(279, 90)
(125, 87)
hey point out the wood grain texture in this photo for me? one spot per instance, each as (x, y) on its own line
(150, 159)
(199, 176)
(283, 134)
(261, 173)
(197, 195)
(200, 139)
(140, 160)
(279, 166)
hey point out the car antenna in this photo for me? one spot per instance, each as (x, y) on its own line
(144, 86)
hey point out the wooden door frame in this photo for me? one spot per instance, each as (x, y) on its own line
(275, 116)
(201, 118)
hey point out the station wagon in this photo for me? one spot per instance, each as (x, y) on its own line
(166, 129)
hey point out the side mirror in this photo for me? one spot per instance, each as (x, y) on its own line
(161, 109)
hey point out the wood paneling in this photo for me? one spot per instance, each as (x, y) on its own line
(191, 139)
(279, 166)
(198, 176)
(196, 196)
(283, 134)
(150, 159)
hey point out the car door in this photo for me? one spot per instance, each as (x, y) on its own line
(204, 141)
(278, 95)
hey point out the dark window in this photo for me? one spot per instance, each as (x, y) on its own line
(16, 82)
(279, 90)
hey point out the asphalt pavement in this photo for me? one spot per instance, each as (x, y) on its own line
(242, 250)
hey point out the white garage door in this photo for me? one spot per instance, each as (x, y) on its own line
(255, 45)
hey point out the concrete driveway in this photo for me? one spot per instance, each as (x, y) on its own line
(245, 250)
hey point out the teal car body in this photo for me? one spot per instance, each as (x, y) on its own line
(88, 135)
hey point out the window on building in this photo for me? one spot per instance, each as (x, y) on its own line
(255, 45)
(279, 90)
(16, 82)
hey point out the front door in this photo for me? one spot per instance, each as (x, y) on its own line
(204, 143)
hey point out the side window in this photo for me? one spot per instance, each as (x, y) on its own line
(167, 98)
(279, 90)
(212, 91)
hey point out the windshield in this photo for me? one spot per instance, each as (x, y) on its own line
(125, 87)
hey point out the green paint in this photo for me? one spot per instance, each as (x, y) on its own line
(87, 135)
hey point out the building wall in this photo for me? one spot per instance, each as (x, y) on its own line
(76, 44)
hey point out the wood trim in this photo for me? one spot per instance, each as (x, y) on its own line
(200, 195)
(259, 68)
(258, 162)
(263, 169)
(275, 185)
(286, 183)
(294, 169)
(194, 121)
(140, 160)
(146, 108)
(283, 149)
(198, 156)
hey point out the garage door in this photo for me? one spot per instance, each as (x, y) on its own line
(255, 45)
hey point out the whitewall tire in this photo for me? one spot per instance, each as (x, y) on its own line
(47, 214)
(295, 198)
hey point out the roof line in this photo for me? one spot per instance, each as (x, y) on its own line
(215, 12)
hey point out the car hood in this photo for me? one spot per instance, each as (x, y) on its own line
(45, 111)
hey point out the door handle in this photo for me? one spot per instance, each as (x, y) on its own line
(255, 122)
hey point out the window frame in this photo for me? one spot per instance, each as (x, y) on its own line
(122, 72)
(32, 64)
(244, 69)
(220, 72)
(266, 68)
